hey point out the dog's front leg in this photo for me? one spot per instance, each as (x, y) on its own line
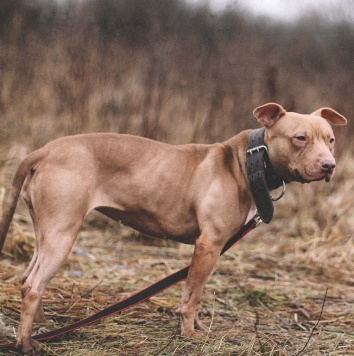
(204, 258)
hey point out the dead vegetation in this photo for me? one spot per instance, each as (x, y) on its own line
(287, 288)
(265, 297)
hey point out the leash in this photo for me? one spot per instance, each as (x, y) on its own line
(137, 298)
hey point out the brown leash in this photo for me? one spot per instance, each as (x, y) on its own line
(139, 297)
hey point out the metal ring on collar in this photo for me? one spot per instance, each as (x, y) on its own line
(281, 194)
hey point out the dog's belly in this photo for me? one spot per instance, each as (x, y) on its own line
(183, 230)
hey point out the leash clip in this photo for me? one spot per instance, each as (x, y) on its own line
(257, 218)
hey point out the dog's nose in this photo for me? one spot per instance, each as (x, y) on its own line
(328, 165)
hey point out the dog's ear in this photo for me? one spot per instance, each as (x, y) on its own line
(331, 116)
(269, 113)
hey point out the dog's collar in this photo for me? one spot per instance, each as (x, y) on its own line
(261, 175)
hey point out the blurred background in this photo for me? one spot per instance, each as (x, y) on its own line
(178, 71)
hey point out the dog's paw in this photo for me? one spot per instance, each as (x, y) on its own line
(29, 347)
(193, 334)
(200, 326)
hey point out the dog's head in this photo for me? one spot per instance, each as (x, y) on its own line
(300, 147)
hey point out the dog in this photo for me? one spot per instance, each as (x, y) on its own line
(195, 194)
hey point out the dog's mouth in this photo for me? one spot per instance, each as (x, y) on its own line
(326, 176)
(299, 177)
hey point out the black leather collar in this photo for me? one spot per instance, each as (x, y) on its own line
(261, 175)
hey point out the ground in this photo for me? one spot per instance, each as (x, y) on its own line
(260, 300)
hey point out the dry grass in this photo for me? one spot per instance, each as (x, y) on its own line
(264, 298)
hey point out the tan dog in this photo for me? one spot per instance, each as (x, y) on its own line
(195, 194)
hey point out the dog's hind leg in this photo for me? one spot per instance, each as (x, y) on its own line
(53, 250)
(35, 252)
(39, 316)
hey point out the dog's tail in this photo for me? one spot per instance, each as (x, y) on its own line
(25, 167)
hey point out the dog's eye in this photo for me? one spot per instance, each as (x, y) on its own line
(301, 138)
(331, 140)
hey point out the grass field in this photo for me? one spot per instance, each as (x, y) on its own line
(288, 287)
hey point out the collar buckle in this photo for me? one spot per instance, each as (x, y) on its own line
(250, 151)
